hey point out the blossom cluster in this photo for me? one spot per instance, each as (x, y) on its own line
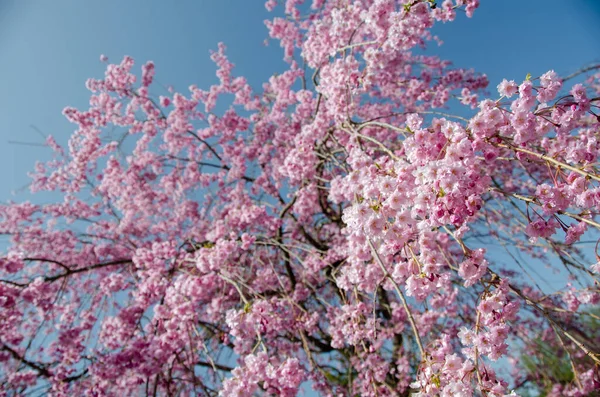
(337, 228)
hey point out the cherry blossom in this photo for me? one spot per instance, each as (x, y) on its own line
(336, 228)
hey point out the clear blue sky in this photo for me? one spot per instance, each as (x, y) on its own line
(49, 48)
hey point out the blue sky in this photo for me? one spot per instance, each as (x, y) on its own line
(49, 48)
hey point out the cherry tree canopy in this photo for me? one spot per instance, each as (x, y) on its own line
(333, 227)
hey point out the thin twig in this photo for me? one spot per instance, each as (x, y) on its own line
(402, 299)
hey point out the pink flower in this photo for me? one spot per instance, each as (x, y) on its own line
(541, 228)
(508, 88)
(164, 101)
(575, 232)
